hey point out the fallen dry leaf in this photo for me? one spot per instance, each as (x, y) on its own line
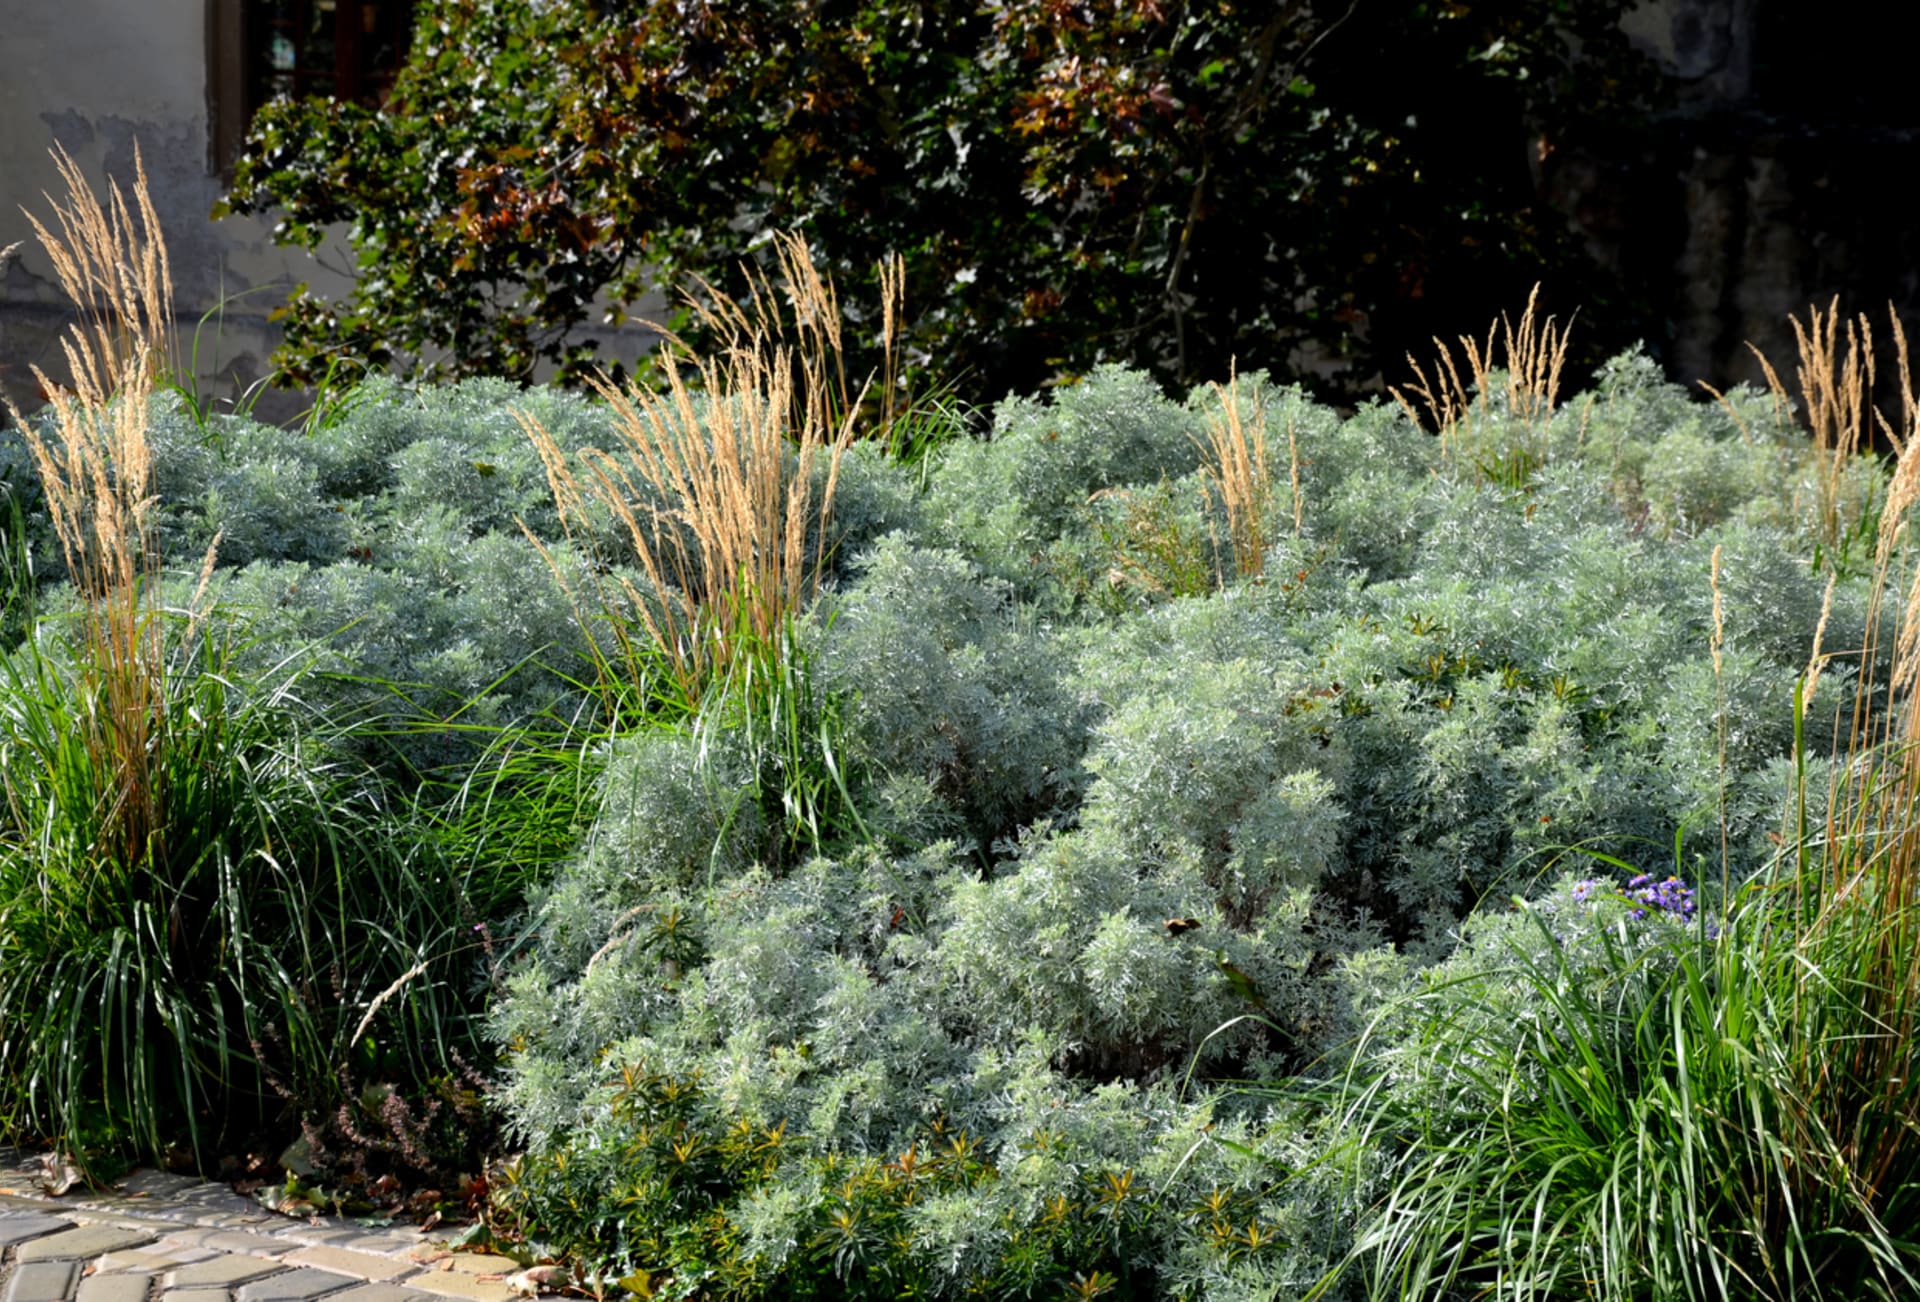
(57, 1173)
(534, 1280)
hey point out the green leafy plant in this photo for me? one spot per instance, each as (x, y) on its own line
(1164, 187)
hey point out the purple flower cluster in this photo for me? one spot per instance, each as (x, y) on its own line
(1672, 896)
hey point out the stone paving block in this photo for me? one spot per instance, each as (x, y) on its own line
(160, 1185)
(294, 1286)
(479, 1263)
(344, 1261)
(179, 1197)
(85, 1242)
(150, 1259)
(314, 1236)
(18, 1227)
(181, 1250)
(43, 1281)
(395, 1242)
(196, 1295)
(114, 1288)
(459, 1284)
(223, 1272)
(112, 1204)
(382, 1293)
(258, 1245)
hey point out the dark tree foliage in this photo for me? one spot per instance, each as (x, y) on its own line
(1168, 183)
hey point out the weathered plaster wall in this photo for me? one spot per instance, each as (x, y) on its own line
(96, 76)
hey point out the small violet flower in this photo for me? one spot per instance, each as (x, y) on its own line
(1671, 896)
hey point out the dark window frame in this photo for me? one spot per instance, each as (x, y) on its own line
(240, 77)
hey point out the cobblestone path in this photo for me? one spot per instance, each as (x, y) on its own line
(168, 1238)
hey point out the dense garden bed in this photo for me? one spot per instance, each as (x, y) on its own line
(1142, 847)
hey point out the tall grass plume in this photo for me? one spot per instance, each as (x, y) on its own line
(96, 472)
(1534, 352)
(1234, 459)
(713, 485)
(1835, 376)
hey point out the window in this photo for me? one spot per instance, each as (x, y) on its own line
(260, 49)
(348, 49)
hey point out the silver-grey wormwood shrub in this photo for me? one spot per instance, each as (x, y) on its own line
(963, 720)
(1010, 502)
(1118, 829)
(1117, 854)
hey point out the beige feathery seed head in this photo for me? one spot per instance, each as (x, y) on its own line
(1234, 456)
(713, 482)
(1719, 612)
(1817, 658)
(1835, 374)
(1535, 352)
(1909, 406)
(96, 472)
(111, 262)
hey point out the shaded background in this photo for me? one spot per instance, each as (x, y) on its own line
(1766, 181)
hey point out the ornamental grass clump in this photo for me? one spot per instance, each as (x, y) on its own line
(720, 490)
(1835, 374)
(713, 488)
(208, 920)
(90, 752)
(1462, 408)
(1236, 472)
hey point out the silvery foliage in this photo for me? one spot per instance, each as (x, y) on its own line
(1454, 671)
(960, 716)
(387, 548)
(1113, 841)
(1007, 502)
(384, 548)
(829, 1000)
